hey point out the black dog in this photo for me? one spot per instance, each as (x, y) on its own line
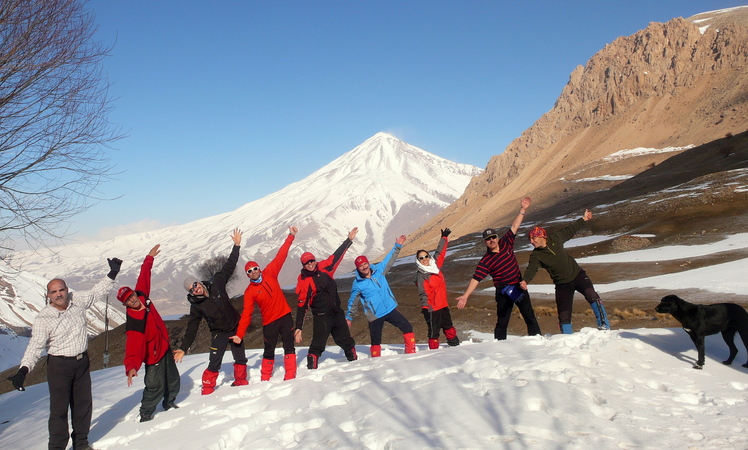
(702, 320)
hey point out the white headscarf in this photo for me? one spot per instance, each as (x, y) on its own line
(427, 269)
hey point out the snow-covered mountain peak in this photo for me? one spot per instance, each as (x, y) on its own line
(384, 186)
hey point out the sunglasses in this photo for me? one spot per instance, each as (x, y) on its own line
(253, 269)
(194, 286)
(426, 256)
(490, 238)
(310, 261)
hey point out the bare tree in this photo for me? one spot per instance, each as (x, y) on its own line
(54, 104)
(211, 266)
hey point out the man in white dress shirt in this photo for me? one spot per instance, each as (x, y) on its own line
(61, 328)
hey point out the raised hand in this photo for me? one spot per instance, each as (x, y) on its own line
(154, 251)
(236, 236)
(114, 265)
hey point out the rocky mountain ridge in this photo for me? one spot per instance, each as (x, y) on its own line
(673, 84)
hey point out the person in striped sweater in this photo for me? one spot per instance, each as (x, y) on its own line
(500, 263)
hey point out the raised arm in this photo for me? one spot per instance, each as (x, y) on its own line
(441, 249)
(391, 257)
(144, 278)
(274, 267)
(330, 265)
(524, 204)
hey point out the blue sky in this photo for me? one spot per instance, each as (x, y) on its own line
(225, 102)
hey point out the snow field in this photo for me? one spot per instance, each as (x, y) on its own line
(615, 389)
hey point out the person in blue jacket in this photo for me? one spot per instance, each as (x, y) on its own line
(380, 306)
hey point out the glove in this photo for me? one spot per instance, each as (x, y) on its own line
(19, 378)
(446, 232)
(114, 265)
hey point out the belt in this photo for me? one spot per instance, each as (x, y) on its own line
(76, 357)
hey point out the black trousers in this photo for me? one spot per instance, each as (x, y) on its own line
(161, 382)
(565, 295)
(218, 344)
(437, 320)
(330, 324)
(283, 327)
(69, 381)
(395, 318)
(504, 306)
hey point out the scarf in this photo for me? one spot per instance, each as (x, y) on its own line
(427, 269)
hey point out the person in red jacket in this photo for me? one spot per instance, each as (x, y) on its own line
(265, 291)
(147, 341)
(318, 290)
(432, 290)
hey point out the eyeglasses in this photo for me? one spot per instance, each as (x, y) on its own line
(194, 286)
(253, 269)
(490, 238)
(310, 261)
(426, 256)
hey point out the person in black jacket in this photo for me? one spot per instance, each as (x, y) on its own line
(318, 291)
(209, 301)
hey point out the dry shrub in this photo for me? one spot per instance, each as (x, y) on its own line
(633, 313)
(539, 311)
(544, 311)
(727, 150)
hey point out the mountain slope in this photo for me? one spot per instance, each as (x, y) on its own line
(382, 187)
(674, 84)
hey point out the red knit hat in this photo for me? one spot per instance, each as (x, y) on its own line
(124, 293)
(538, 232)
(306, 257)
(361, 260)
(249, 265)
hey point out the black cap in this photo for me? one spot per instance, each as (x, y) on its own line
(489, 232)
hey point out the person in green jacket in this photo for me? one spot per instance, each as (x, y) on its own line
(550, 254)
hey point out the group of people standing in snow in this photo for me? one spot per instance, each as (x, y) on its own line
(61, 325)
